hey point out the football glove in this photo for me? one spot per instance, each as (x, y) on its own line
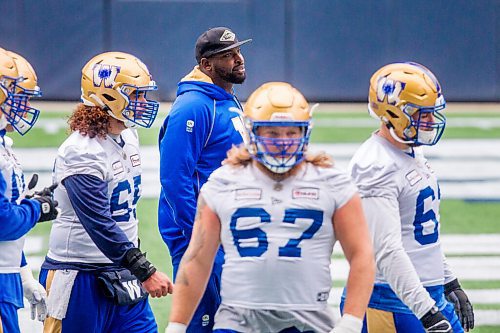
(348, 324)
(434, 322)
(45, 192)
(48, 211)
(34, 293)
(463, 308)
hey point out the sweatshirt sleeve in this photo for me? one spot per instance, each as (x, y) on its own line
(89, 198)
(16, 219)
(182, 140)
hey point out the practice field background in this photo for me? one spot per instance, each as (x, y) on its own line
(473, 217)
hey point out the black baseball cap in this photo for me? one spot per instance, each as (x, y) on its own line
(216, 40)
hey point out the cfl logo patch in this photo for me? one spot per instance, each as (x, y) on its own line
(189, 126)
(390, 88)
(106, 74)
(205, 320)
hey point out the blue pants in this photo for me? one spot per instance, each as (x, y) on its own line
(8, 318)
(386, 313)
(89, 311)
(203, 318)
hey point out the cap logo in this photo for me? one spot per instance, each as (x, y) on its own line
(227, 36)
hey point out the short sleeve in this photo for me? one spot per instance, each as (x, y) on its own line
(76, 160)
(215, 189)
(340, 187)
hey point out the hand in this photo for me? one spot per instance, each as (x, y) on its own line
(434, 321)
(348, 324)
(46, 191)
(158, 285)
(463, 308)
(34, 293)
(48, 209)
(31, 185)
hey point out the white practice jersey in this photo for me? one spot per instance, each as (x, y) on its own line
(277, 237)
(105, 159)
(11, 251)
(380, 169)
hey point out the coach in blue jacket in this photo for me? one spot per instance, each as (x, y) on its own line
(201, 127)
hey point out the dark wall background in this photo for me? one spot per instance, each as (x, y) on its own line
(327, 48)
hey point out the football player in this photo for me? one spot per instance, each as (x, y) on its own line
(400, 195)
(96, 276)
(18, 83)
(277, 211)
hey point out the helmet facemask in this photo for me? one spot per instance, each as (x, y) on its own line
(139, 112)
(427, 133)
(279, 155)
(16, 110)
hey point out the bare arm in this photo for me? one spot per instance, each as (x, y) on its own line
(196, 264)
(352, 232)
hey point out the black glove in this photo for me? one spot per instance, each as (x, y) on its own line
(463, 308)
(46, 192)
(48, 209)
(434, 322)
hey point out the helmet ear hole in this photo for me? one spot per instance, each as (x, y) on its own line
(109, 97)
(392, 114)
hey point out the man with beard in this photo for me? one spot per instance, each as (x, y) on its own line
(202, 126)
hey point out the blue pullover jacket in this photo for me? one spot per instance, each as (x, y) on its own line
(203, 124)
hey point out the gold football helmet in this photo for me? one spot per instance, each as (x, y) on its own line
(277, 104)
(26, 88)
(118, 83)
(13, 102)
(400, 94)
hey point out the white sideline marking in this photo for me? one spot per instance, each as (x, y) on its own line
(465, 268)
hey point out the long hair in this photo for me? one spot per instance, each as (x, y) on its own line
(239, 155)
(89, 120)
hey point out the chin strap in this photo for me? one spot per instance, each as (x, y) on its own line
(3, 121)
(397, 138)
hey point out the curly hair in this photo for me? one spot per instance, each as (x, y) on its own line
(89, 120)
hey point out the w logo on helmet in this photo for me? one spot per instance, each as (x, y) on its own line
(105, 73)
(390, 88)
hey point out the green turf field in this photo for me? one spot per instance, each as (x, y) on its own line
(52, 129)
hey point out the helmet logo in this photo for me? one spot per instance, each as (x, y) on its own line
(105, 73)
(390, 89)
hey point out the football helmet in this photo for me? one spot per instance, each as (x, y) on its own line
(277, 104)
(23, 116)
(110, 79)
(402, 95)
(11, 104)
